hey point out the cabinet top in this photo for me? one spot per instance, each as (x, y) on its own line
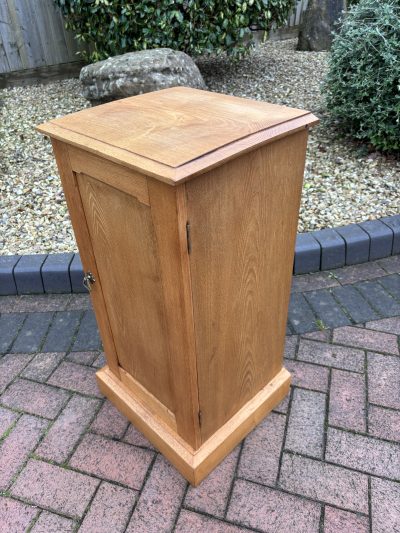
(175, 134)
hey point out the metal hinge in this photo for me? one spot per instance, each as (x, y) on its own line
(189, 242)
(199, 418)
(88, 279)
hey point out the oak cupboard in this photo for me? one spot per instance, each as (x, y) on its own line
(184, 205)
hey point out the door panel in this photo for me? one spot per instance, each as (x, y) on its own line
(124, 246)
(79, 223)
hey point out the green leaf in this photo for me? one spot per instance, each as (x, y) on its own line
(361, 87)
(193, 26)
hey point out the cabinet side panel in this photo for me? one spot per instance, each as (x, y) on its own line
(169, 218)
(243, 220)
(78, 219)
(124, 245)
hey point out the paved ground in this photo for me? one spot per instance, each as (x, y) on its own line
(327, 459)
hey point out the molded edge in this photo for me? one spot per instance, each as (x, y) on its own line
(194, 465)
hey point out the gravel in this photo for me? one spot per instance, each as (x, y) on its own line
(343, 182)
(33, 213)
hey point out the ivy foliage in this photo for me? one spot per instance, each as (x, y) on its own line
(113, 27)
(363, 82)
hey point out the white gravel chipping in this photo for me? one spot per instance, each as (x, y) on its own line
(33, 213)
(343, 182)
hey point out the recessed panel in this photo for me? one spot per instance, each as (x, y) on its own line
(123, 241)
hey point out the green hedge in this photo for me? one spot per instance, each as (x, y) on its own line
(114, 27)
(363, 83)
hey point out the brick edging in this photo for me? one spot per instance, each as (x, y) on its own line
(332, 248)
(317, 250)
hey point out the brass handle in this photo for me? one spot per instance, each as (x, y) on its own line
(88, 279)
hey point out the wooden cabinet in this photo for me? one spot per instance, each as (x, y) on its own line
(184, 204)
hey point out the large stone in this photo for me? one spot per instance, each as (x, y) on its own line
(320, 19)
(139, 72)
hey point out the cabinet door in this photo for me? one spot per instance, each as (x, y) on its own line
(123, 241)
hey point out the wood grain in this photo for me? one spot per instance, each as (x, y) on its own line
(193, 321)
(169, 221)
(243, 219)
(123, 241)
(155, 429)
(224, 440)
(79, 223)
(148, 400)
(240, 147)
(194, 465)
(114, 175)
(175, 126)
(32, 34)
(178, 133)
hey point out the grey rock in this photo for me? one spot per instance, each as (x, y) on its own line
(139, 72)
(319, 21)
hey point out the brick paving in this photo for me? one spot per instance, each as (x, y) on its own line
(327, 459)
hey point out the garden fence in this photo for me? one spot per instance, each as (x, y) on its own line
(32, 34)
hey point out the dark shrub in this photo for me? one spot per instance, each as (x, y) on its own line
(114, 27)
(363, 83)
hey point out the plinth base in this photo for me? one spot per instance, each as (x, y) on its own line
(194, 465)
